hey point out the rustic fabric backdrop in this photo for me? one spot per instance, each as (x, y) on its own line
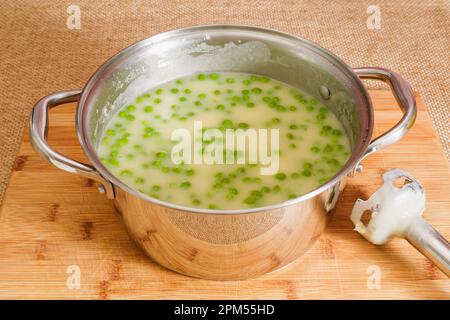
(39, 54)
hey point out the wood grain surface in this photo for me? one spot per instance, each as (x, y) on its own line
(51, 220)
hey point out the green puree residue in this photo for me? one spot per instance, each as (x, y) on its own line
(136, 144)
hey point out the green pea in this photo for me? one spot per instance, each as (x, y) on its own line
(327, 128)
(220, 107)
(176, 169)
(323, 110)
(235, 98)
(247, 179)
(197, 103)
(277, 188)
(123, 114)
(334, 162)
(328, 148)
(161, 154)
(250, 105)
(148, 109)
(126, 173)
(179, 81)
(225, 180)
(157, 101)
(196, 202)
(218, 185)
(307, 165)
(110, 132)
(131, 108)
(243, 125)
(250, 200)
(212, 206)
(159, 91)
(281, 108)
(304, 127)
(114, 162)
(276, 120)
(241, 170)
(306, 173)
(182, 99)
(156, 163)
(293, 108)
(174, 90)
(219, 175)
(230, 80)
(280, 176)
(190, 172)
(105, 140)
(315, 149)
(292, 146)
(256, 90)
(201, 96)
(122, 141)
(290, 136)
(246, 82)
(140, 180)
(165, 169)
(265, 189)
(156, 188)
(227, 123)
(295, 175)
(292, 196)
(201, 76)
(256, 194)
(114, 154)
(214, 76)
(187, 91)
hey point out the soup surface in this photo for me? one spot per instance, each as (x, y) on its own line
(138, 144)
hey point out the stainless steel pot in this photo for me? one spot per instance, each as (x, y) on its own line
(224, 244)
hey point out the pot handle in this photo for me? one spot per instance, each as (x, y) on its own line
(405, 98)
(38, 137)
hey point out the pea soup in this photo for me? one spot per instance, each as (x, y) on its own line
(138, 147)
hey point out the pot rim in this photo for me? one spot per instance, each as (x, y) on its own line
(365, 134)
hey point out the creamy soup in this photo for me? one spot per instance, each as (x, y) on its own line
(138, 144)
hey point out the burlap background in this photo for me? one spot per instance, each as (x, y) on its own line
(40, 55)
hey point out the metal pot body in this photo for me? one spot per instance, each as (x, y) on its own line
(223, 244)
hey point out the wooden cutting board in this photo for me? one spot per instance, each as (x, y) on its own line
(52, 221)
